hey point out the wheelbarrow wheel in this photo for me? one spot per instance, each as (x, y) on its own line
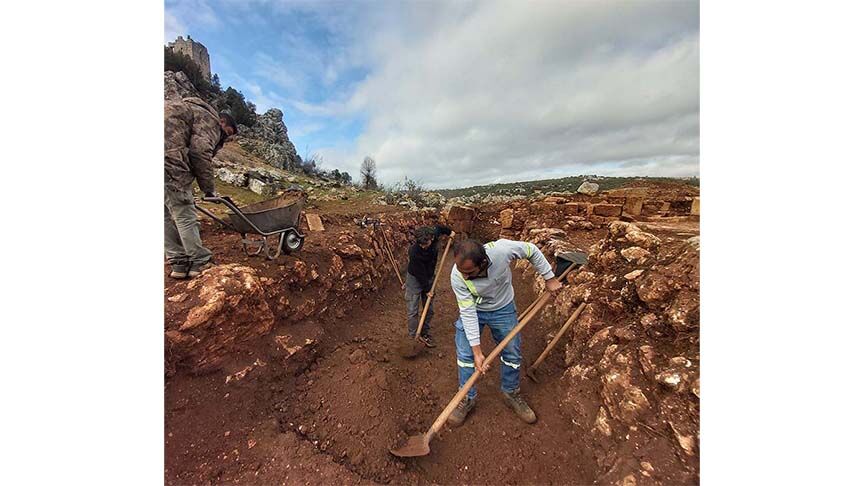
(292, 241)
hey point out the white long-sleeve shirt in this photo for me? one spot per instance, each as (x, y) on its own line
(496, 289)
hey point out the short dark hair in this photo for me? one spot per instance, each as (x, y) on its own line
(424, 234)
(229, 120)
(470, 249)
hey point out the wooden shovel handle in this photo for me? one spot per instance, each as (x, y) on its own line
(439, 422)
(434, 283)
(389, 253)
(557, 337)
(560, 278)
(395, 267)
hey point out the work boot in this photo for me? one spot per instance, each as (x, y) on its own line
(427, 341)
(515, 401)
(197, 268)
(179, 270)
(458, 416)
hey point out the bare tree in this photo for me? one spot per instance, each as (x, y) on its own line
(368, 174)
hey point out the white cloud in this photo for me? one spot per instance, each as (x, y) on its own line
(282, 74)
(173, 27)
(180, 14)
(263, 100)
(535, 89)
(299, 130)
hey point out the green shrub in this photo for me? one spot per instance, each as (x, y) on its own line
(243, 111)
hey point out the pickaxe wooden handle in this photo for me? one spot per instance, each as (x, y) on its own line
(434, 282)
(390, 257)
(555, 340)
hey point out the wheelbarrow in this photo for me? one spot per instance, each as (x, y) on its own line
(278, 216)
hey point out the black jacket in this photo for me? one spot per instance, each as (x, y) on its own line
(421, 263)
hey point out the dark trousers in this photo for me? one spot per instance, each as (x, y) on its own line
(415, 299)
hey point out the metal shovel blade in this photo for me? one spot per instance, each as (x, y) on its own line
(531, 374)
(415, 446)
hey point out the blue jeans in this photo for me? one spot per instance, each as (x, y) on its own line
(500, 322)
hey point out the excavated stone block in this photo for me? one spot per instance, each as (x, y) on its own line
(680, 207)
(576, 208)
(460, 218)
(606, 210)
(461, 226)
(651, 207)
(459, 213)
(633, 206)
(555, 200)
(314, 222)
(506, 218)
(260, 187)
(665, 208)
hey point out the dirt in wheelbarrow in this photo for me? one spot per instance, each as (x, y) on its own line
(334, 422)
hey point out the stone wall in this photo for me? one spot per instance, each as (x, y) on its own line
(579, 212)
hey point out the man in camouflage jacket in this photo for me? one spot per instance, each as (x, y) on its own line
(194, 132)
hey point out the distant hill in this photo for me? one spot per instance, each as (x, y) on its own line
(564, 184)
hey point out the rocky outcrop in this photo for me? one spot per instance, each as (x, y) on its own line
(236, 167)
(268, 139)
(633, 355)
(178, 86)
(224, 307)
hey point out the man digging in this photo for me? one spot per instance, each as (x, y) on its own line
(193, 134)
(422, 258)
(483, 284)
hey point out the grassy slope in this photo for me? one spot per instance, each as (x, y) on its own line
(364, 201)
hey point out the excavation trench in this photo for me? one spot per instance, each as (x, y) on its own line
(333, 417)
(361, 397)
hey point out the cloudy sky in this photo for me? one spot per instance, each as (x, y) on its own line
(461, 93)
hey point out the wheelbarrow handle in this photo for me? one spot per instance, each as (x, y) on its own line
(219, 199)
(224, 200)
(213, 216)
